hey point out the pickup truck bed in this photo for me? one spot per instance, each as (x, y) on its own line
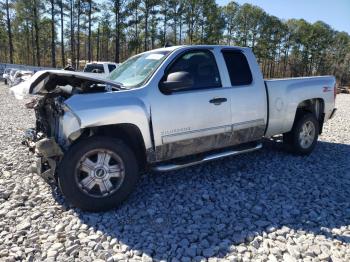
(285, 95)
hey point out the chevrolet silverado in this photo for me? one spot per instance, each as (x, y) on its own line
(162, 110)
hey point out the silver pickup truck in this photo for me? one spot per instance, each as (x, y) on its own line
(164, 109)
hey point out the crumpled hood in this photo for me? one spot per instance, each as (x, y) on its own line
(44, 82)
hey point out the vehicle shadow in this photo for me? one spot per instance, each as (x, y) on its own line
(230, 201)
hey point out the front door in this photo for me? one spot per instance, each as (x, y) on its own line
(197, 119)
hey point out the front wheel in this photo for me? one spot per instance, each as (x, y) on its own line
(98, 173)
(303, 137)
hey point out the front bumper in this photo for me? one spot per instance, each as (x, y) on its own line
(47, 153)
(45, 168)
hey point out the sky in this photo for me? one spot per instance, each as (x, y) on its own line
(336, 13)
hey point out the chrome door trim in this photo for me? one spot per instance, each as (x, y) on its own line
(195, 134)
(248, 124)
(166, 139)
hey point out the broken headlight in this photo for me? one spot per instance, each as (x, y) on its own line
(69, 126)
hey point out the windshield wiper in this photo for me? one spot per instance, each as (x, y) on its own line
(113, 83)
(115, 86)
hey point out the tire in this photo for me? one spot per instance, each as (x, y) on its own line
(295, 140)
(87, 164)
(5, 81)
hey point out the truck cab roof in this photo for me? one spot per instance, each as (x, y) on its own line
(172, 48)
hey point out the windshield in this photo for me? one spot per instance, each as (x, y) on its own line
(137, 69)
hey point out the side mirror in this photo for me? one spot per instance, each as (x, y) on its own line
(176, 82)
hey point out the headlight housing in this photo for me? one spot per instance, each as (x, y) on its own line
(69, 126)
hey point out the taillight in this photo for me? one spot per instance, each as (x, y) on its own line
(335, 90)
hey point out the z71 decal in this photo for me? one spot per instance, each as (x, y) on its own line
(327, 89)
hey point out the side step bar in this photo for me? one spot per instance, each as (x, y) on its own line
(173, 166)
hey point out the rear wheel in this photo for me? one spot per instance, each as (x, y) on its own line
(303, 137)
(98, 173)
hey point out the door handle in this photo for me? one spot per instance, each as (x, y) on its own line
(218, 100)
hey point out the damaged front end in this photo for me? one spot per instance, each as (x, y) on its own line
(47, 152)
(57, 126)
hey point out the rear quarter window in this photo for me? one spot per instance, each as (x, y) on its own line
(237, 67)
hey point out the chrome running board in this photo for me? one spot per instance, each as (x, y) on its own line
(172, 166)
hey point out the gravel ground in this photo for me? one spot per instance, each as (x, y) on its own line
(263, 206)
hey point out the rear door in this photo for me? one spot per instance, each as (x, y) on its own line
(247, 95)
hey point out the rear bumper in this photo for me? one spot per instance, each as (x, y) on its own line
(333, 113)
(47, 153)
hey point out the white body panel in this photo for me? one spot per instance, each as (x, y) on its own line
(111, 108)
(286, 94)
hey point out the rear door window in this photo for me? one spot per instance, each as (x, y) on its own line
(237, 67)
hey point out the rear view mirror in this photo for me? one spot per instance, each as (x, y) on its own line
(176, 82)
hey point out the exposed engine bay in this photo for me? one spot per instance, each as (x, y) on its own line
(48, 140)
(48, 109)
(52, 88)
(49, 106)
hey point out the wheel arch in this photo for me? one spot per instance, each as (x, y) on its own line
(315, 106)
(129, 133)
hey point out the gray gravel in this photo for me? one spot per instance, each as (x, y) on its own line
(263, 206)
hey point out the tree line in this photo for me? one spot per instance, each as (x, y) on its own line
(56, 32)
